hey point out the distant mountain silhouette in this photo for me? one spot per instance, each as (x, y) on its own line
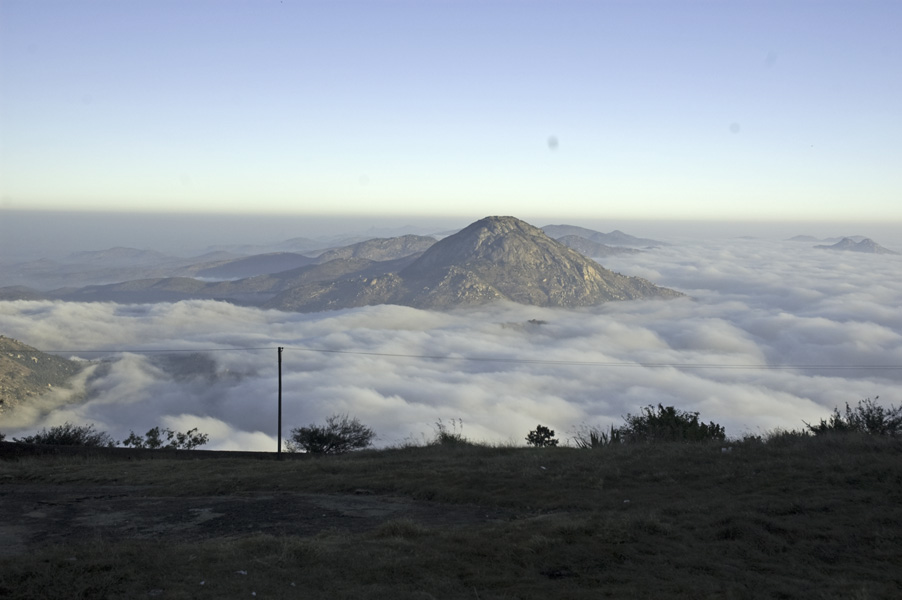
(592, 249)
(98, 267)
(104, 269)
(119, 256)
(258, 264)
(866, 245)
(829, 240)
(496, 258)
(615, 238)
(20, 292)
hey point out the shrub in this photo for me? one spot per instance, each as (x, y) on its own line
(785, 437)
(541, 437)
(668, 424)
(446, 435)
(153, 439)
(339, 435)
(868, 417)
(70, 435)
(595, 437)
(2, 436)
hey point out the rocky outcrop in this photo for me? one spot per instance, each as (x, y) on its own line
(27, 373)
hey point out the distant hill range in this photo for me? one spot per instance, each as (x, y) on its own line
(378, 249)
(866, 245)
(615, 238)
(27, 373)
(829, 240)
(496, 258)
(20, 292)
(587, 247)
(237, 268)
(106, 266)
(118, 256)
(112, 266)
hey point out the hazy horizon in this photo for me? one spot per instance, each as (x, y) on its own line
(29, 235)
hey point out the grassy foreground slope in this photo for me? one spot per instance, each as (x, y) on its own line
(797, 517)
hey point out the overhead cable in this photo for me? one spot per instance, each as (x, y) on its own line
(487, 359)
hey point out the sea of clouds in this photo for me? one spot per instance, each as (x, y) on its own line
(771, 334)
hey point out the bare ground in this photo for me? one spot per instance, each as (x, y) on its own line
(34, 515)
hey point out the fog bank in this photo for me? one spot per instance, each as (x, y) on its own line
(736, 351)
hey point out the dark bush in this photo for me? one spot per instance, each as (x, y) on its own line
(70, 435)
(541, 437)
(667, 424)
(153, 439)
(868, 417)
(339, 435)
(449, 435)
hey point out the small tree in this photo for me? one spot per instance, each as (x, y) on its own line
(541, 437)
(153, 439)
(340, 434)
(68, 434)
(868, 417)
(668, 424)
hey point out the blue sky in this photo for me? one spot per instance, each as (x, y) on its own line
(686, 110)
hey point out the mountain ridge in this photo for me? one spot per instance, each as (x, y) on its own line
(495, 258)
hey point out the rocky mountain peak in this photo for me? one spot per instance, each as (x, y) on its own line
(500, 240)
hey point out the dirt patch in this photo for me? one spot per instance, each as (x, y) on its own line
(35, 515)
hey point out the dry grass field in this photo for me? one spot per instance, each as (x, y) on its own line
(795, 517)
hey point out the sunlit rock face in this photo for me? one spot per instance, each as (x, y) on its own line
(496, 258)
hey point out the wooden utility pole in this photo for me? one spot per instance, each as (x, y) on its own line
(279, 450)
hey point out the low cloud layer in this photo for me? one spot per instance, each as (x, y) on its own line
(758, 310)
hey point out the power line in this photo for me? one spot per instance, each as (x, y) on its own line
(493, 359)
(591, 363)
(135, 351)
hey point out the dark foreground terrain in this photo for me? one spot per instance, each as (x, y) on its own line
(796, 517)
